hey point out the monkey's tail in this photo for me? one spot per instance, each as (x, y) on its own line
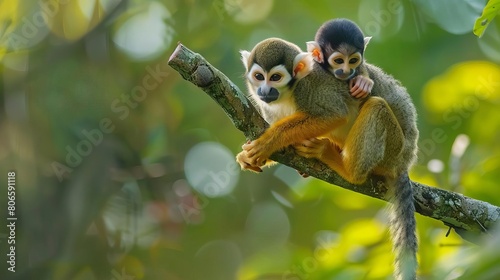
(403, 227)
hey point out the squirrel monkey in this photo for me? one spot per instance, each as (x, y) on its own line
(339, 47)
(314, 112)
(296, 96)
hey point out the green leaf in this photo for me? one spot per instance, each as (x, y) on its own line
(455, 19)
(489, 13)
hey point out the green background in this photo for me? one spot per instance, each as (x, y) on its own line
(126, 171)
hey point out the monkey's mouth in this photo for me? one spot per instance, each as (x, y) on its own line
(268, 98)
(341, 75)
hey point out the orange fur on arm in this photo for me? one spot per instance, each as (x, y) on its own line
(296, 128)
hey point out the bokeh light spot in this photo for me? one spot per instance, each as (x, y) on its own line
(268, 223)
(218, 259)
(248, 12)
(211, 169)
(145, 35)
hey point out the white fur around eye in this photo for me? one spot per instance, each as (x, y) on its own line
(337, 55)
(358, 57)
(253, 71)
(285, 76)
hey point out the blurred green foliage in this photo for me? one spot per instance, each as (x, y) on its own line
(126, 171)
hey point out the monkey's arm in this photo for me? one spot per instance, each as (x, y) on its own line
(287, 131)
(469, 217)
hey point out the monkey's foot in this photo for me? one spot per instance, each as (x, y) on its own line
(255, 153)
(244, 161)
(312, 148)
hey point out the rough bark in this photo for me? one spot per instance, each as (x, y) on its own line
(469, 217)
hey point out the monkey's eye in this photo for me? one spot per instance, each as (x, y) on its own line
(353, 60)
(275, 77)
(259, 76)
(338, 61)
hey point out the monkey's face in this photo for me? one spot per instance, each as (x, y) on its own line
(272, 69)
(269, 85)
(343, 65)
(342, 60)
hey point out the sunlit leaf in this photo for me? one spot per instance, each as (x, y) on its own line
(463, 84)
(72, 20)
(489, 13)
(3, 51)
(381, 264)
(10, 13)
(21, 25)
(351, 201)
(363, 232)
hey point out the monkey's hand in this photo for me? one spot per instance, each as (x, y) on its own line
(361, 86)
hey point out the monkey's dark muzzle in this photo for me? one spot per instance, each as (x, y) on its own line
(268, 95)
(340, 74)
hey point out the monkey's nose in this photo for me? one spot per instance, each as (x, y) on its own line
(343, 75)
(268, 95)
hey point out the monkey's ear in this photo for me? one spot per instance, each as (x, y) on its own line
(302, 65)
(244, 58)
(367, 40)
(315, 50)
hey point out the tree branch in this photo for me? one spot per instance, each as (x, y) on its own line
(467, 216)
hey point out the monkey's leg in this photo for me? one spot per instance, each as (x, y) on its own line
(373, 144)
(374, 141)
(287, 131)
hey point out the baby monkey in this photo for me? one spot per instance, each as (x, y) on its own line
(338, 47)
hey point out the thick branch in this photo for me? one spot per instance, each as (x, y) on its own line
(465, 214)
